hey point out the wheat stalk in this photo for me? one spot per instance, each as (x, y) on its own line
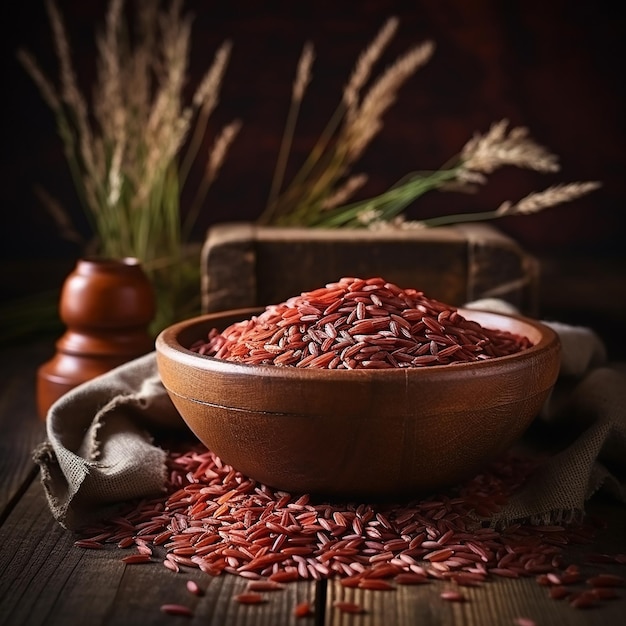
(532, 203)
(204, 102)
(125, 165)
(345, 192)
(539, 200)
(130, 166)
(363, 68)
(302, 80)
(60, 216)
(325, 177)
(481, 155)
(46, 88)
(497, 148)
(365, 120)
(364, 123)
(70, 93)
(215, 160)
(303, 73)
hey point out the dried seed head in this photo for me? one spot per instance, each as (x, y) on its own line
(551, 196)
(496, 149)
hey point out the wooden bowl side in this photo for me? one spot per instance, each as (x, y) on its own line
(358, 432)
(370, 457)
(296, 391)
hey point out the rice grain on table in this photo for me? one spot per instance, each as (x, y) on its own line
(303, 609)
(359, 324)
(177, 609)
(218, 521)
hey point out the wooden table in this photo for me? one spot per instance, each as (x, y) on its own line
(45, 579)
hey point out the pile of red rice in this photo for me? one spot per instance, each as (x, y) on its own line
(359, 323)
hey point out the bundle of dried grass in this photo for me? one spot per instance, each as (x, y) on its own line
(131, 153)
(320, 193)
(326, 178)
(130, 148)
(481, 155)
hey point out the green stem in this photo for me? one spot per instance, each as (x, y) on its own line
(281, 164)
(446, 220)
(321, 145)
(194, 144)
(390, 203)
(283, 205)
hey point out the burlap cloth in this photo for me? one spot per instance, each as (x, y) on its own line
(101, 445)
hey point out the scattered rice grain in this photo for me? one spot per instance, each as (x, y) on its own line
(272, 538)
(177, 609)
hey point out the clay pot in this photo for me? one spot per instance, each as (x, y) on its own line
(107, 306)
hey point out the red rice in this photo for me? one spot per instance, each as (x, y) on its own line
(303, 609)
(452, 596)
(272, 537)
(250, 597)
(177, 609)
(359, 324)
(193, 587)
(348, 607)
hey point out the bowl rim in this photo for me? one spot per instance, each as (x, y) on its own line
(168, 344)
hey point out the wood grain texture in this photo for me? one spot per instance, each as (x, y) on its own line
(498, 602)
(19, 424)
(244, 265)
(46, 580)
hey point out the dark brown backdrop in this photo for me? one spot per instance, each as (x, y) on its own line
(552, 65)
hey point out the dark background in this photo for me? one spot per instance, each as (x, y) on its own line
(554, 66)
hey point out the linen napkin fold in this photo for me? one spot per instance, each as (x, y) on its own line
(100, 448)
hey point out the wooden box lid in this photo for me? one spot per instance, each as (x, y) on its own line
(245, 265)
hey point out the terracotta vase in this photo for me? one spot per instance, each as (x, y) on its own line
(107, 306)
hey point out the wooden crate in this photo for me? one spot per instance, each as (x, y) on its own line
(246, 265)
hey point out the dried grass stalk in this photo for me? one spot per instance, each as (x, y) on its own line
(124, 151)
(483, 154)
(366, 120)
(130, 165)
(539, 200)
(495, 149)
(324, 175)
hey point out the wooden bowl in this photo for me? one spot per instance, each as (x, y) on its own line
(358, 433)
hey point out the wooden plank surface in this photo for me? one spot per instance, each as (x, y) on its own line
(500, 602)
(21, 430)
(46, 580)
